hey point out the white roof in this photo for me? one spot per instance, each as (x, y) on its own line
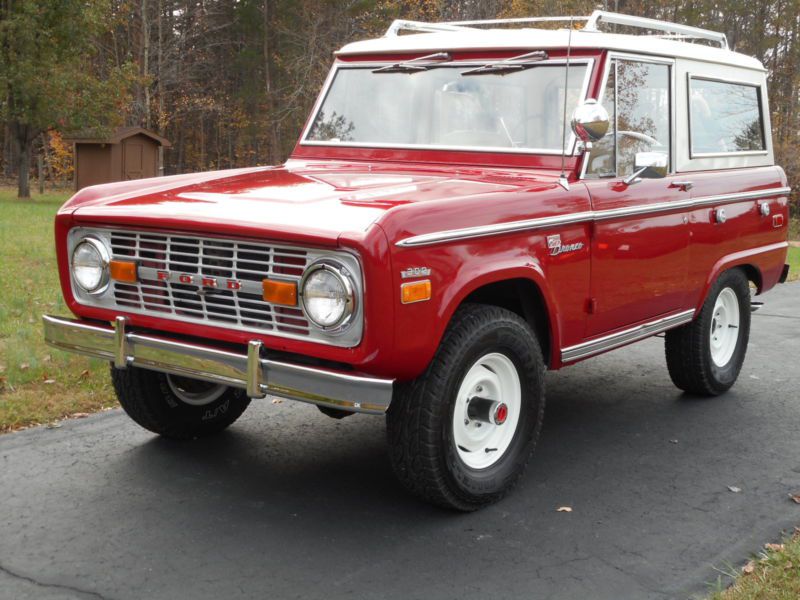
(534, 39)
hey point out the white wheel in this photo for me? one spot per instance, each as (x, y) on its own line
(724, 327)
(194, 391)
(487, 411)
(461, 434)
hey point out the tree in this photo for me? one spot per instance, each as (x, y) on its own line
(48, 78)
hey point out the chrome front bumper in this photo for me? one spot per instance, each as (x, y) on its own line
(257, 375)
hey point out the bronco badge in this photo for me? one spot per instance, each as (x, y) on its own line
(556, 247)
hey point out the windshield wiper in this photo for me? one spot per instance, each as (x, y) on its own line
(416, 64)
(509, 65)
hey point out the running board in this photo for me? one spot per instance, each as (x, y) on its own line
(634, 334)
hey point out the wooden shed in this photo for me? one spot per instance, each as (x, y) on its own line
(128, 153)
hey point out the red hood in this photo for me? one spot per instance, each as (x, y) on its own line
(301, 200)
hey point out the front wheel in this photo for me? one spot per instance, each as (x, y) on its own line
(177, 407)
(705, 356)
(461, 435)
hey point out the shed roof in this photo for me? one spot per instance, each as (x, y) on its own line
(115, 137)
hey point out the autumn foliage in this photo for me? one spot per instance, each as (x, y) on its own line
(230, 82)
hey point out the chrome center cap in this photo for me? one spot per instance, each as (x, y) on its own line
(487, 411)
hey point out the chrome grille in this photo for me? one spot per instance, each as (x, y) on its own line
(244, 262)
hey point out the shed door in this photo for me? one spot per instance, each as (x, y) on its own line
(132, 159)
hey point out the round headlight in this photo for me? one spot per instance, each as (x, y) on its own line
(90, 265)
(327, 295)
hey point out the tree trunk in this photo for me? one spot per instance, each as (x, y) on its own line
(23, 167)
(9, 155)
(23, 136)
(146, 62)
(40, 172)
(274, 153)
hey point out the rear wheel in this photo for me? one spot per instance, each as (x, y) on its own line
(177, 407)
(461, 434)
(705, 356)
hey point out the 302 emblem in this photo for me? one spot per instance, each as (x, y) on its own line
(556, 248)
(412, 272)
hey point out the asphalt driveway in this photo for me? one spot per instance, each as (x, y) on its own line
(291, 504)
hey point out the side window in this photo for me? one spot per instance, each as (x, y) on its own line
(724, 117)
(637, 97)
(603, 156)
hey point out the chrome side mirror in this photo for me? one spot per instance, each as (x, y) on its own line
(590, 121)
(650, 165)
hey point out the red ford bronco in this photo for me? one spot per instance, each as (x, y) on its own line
(441, 236)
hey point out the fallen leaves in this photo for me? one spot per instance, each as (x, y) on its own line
(79, 415)
(567, 509)
(773, 547)
(749, 568)
(277, 401)
(795, 497)
(24, 366)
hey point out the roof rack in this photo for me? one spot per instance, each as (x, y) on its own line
(672, 30)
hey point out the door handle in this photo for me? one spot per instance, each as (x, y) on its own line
(685, 186)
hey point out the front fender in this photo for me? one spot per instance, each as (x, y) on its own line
(456, 272)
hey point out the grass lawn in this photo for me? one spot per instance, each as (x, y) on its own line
(773, 575)
(794, 261)
(38, 384)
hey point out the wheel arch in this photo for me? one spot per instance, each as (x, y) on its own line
(746, 261)
(522, 290)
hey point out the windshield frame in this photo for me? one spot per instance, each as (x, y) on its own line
(570, 147)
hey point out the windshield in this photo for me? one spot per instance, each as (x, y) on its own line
(448, 107)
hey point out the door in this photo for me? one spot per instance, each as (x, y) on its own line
(641, 237)
(132, 159)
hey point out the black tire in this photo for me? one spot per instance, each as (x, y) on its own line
(688, 348)
(150, 401)
(420, 419)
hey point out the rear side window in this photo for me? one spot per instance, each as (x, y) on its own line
(724, 117)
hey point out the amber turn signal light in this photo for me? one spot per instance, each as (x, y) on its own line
(415, 291)
(122, 270)
(280, 292)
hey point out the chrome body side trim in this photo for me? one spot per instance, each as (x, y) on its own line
(737, 196)
(634, 334)
(440, 237)
(259, 376)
